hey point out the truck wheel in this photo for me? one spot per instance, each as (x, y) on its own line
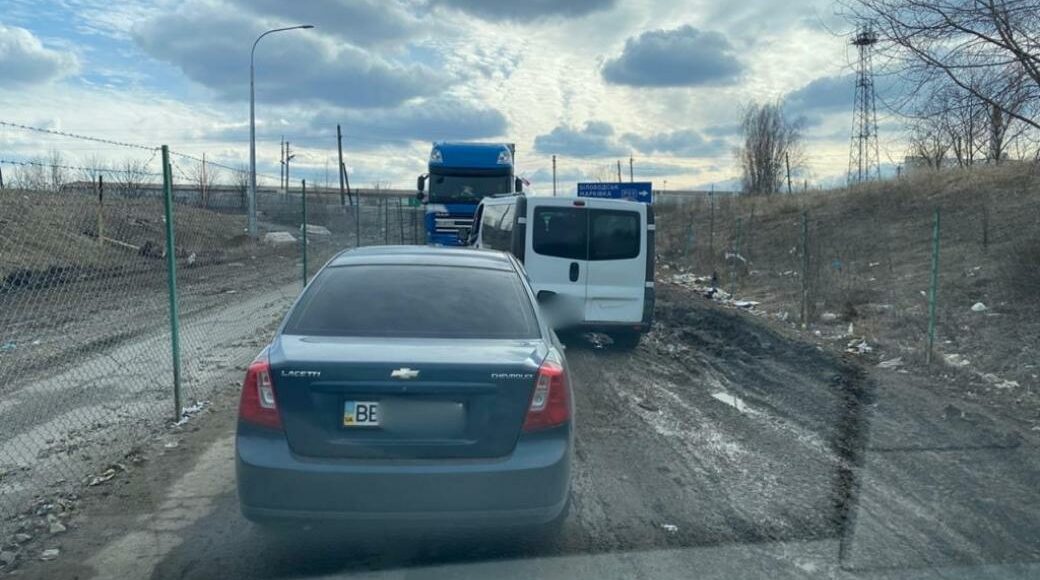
(625, 340)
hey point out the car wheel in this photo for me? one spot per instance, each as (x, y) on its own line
(625, 340)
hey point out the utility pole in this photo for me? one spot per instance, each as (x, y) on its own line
(1, 177)
(281, 163)
(303, 227)
(288, 157)
(631, 170)
(787, 161)
(554, 176)
(619, 171)
(339, 145)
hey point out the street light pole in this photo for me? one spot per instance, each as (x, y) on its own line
(251, 218)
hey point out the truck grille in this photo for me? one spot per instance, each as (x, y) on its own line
(452, 224)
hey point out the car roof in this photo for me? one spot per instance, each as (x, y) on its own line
(423, 256)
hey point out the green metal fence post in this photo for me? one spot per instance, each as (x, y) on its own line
(932, 296)
(805, 270)
(736, 258)
(689, 240)
(171, 277)
(400, 218)
(303, 236)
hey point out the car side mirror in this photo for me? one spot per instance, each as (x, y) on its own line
(519, 185)
(464, 236)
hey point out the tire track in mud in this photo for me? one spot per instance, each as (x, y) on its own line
(778, 465)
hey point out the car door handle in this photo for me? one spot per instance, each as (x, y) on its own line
(574, 271)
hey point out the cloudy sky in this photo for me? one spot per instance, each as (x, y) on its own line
(591, 81)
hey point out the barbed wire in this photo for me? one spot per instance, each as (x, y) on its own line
(76, 136)
(81, 137)
(75, 168)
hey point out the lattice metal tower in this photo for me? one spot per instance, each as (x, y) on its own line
(864, 158)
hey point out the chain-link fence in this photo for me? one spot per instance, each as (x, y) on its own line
(86, 333)
(857, 266)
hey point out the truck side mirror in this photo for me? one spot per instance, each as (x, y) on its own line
(420, 196)
(464, 236)
(519, 185)
(420, 184)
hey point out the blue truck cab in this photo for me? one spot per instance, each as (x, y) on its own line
(459, 176)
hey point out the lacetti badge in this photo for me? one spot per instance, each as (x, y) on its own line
(404, 373)
(301, 374)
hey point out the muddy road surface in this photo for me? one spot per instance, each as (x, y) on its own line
(718, 448)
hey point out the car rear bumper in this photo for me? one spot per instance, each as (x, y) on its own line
(529, 486)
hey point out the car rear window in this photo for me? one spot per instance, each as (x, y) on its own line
(414, 301)
(614, 235)
(560, 232)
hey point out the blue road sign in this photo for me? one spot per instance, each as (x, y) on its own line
(641, 191)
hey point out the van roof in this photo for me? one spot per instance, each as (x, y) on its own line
(589, 201)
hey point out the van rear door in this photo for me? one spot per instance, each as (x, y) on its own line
(556, 257)
(616, 282)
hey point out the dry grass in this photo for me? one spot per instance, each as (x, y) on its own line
(870, 261)
(56, 234)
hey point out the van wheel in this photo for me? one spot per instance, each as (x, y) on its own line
(625, 340)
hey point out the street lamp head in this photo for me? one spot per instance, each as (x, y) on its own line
(307, 26)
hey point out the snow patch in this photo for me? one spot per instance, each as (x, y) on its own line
(732, 400)
(188, 412)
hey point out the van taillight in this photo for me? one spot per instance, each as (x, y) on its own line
(258, 405)
(550, 403)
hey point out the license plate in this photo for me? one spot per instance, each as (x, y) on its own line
(361, 414)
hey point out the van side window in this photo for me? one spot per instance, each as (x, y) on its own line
(561, 232)
(614, 234)
(492, 234)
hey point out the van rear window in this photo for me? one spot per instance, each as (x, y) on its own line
(561, 232)
(614, 235)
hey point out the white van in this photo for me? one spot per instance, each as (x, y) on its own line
(590, 260)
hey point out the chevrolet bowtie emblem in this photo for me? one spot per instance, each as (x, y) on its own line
(404, 373)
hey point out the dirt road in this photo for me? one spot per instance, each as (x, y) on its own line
(718, 448)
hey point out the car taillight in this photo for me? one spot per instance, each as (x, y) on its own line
(550, 402)
(259, 405)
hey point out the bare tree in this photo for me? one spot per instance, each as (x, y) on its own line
(93, 165)
(241, 183)
(129, 175)
(203, 177)
(989, 49)
(57, 175)
(929, 140)
(33, 175)
(771, 141)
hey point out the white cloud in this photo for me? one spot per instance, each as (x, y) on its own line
(25, 61)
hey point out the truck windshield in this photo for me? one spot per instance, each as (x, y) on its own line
(466, 188)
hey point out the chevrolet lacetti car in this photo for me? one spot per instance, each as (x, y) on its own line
(409, 384)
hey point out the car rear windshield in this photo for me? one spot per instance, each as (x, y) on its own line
(414, 301)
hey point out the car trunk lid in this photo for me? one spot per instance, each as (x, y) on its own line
(437, 398)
